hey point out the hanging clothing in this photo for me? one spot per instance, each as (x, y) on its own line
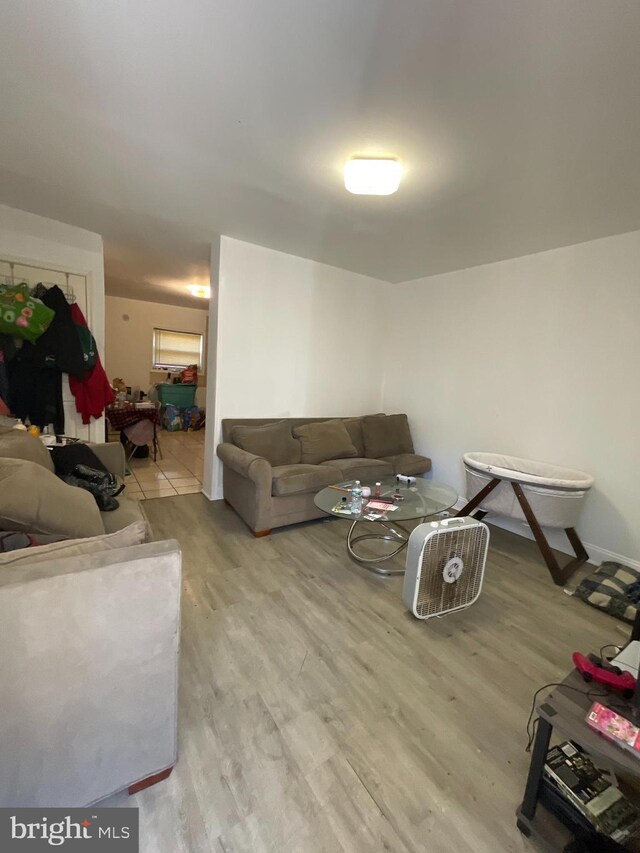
(59, 346)
(35, 391)
(92, 392)
(35, 374)
(8, 350)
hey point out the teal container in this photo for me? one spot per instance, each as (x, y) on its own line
(181, 396)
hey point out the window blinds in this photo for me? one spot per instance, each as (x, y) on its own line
(176, 349)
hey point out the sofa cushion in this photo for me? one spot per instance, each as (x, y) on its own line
(301, 479)
(386, 436)
(409, 464)
(129, 512)
(35, 500)
(273, 442)
(368, 471)
(354, 428)
(323, 441)
(17, 444)
(133, 534)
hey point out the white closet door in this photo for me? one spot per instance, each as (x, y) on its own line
(73, 425)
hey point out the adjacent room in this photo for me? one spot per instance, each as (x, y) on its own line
(318, 435)
(155, 352)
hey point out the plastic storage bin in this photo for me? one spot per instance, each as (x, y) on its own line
(181, 396)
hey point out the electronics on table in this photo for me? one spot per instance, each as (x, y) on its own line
(586, 798)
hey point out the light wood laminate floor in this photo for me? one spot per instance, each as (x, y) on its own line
(317, 715)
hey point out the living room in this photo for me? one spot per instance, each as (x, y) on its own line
(232, 659)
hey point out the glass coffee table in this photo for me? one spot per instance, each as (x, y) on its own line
(422, 499)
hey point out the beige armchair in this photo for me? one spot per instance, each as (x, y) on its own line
(89, 674)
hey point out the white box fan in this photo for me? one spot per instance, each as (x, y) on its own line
(445, 566)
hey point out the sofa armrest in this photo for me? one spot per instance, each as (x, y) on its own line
(112, 457)
(247, 486)
(90, 657)
(248, 465)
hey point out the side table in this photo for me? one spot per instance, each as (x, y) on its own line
(565, 711)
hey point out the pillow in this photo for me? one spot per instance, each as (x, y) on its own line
(386, 436)
(613, 587)
(273, 442)
(354, 428)
(324, 440)
(133, 534)
(35, 500)
(17, 444)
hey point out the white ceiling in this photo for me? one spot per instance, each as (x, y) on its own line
(159, 123)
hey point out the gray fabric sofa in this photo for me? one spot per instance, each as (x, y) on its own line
(18, 445)
(89, 642)
(273, 468)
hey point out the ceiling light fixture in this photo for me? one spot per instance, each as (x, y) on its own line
(202, 291)
(372, 175)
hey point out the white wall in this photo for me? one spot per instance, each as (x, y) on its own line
(294, 339)
(210, 487)
(129, 342)
(29, 239)
(534, 357)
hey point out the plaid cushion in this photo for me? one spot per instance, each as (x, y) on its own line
(607, 588)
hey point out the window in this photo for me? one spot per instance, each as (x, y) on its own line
(175, 350)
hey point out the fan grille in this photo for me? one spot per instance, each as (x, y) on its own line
(434, 595)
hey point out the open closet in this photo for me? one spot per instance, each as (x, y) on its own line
(76, 291)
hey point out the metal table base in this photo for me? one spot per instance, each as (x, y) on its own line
(397, 534)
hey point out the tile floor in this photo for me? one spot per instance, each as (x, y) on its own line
(177, 472)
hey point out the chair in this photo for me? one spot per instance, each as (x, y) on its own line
(141, 433)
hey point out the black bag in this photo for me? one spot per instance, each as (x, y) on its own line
(102, 485)
(65, 457)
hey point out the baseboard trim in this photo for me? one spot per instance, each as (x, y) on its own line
(597, 555)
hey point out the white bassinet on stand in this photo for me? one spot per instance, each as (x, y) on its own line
(536, 492)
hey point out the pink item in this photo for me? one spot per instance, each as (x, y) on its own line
(611, 676)
(614, 727)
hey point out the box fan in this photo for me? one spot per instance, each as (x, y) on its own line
(445, 566)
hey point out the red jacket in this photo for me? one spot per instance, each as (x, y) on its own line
(93, 392)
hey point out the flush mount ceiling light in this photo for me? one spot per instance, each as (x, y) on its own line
(202, 291)
(372, 175)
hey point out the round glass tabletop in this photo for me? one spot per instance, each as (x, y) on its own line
(423, 498)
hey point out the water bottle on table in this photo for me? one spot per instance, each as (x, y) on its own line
(356, 497)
